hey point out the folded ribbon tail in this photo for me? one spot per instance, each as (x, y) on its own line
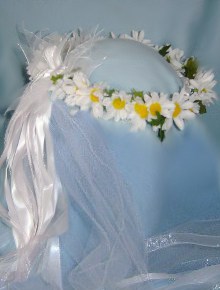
(35, 206)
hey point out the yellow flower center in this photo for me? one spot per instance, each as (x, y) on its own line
(141, 110)
(155, 108)
(177, 110)
(204, 90)
(118, 103)
(93, 97)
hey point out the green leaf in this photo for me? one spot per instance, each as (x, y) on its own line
(155, 122)
(109, 92)
(159, 121)
(55, 78)
(195, 90)
(164, 50)
(191, 68)
(202, 107)
(168, 59)
(161, 135)
(139, 94)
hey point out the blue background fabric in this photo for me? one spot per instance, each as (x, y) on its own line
(188, 161)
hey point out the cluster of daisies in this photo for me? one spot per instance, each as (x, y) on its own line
(139, 108)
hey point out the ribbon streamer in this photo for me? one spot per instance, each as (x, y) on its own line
(35, 206)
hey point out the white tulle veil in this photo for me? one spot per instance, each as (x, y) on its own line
(39, 189)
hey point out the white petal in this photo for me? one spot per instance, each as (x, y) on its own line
(186, 114)
(84, 107)
(125, 36)
(168, 124)
(66, 81)
(155, 128)
(97, 111)
(117, 117)
(141, 35)
(69, 101)
(106, 102)
(147, 98)
(80, 80)
(109, 115)
(167, 113)
(148, 42)
(194, 83)
(169, 105)
(123, 114)
(196, 108)
(187, 105)
(135, 34)
(179, 123)
(69, 90)
(112, 35)
(138, 125)
(155, 96)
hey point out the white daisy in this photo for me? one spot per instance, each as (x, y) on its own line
(81, 80)
(139, 113)
(137, 36)
(70, 101)
(78, 91)
(174, 56)
(184, 110)
(117, 107)
(96, 96)
(57, 91)
(159, 103)
(202, 85)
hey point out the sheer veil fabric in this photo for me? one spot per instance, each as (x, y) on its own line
(185, 258)
(68, 169)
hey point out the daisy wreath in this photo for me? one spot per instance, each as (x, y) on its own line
(140, 108)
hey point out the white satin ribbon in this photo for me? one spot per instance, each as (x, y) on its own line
(32, 189)
(51, 267)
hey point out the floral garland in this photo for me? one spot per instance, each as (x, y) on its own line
(140, 108)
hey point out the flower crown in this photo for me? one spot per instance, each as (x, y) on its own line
(157, 109)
